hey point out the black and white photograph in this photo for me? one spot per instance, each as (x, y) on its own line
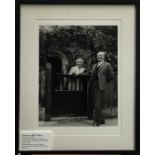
(78, 75)
(77, 78)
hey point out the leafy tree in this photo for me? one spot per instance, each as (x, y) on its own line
(76, 41)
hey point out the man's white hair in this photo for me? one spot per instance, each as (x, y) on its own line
(102, 52)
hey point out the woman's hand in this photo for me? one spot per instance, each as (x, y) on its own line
(74, 74)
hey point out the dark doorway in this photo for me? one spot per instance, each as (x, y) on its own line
(56, 68)
(56, 64)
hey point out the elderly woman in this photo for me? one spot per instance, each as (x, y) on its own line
(76, 84)
(101, 76)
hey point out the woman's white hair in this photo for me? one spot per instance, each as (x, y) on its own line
(79, 59)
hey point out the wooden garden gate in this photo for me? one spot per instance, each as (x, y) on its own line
(66, 95)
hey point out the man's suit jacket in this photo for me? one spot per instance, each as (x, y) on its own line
(105, 75)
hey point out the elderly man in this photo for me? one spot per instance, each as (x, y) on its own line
(101, 75)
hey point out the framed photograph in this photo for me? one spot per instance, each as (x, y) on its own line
(77, 76)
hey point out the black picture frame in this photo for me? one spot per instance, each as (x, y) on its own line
(136, 3)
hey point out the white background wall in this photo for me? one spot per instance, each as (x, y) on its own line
(147, 77)
(7, 77)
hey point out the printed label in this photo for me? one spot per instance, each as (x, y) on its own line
(35, 140)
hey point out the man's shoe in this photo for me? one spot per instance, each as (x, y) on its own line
(96, 124)
(102, 122)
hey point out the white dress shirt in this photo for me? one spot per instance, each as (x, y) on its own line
(99, 63)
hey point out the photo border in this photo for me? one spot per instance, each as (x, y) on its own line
(136, 3)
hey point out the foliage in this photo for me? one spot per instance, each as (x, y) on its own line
(84, 41)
